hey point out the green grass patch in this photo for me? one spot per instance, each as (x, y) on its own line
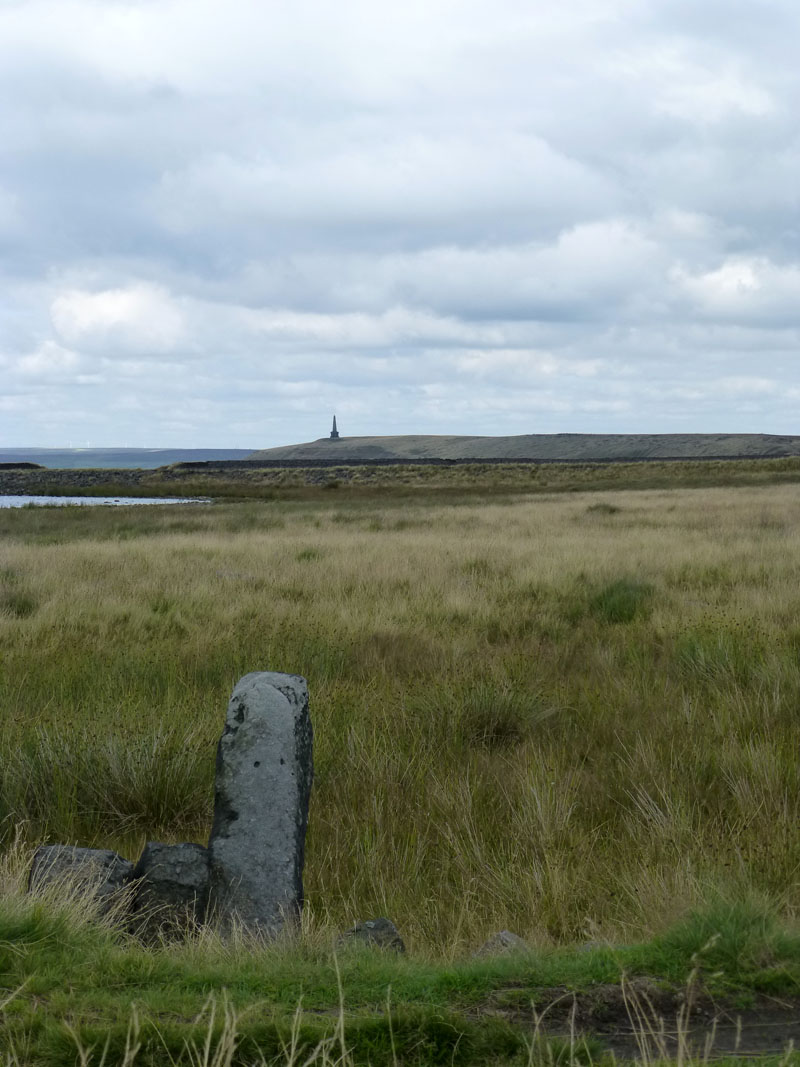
(621, 601)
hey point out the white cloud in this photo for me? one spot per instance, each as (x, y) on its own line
(748, 385)
(523, 365)
(396, 326)
(712, 99)
(49, 362)
(706, 90)
(745, 289)
(581, 272)
(10, 216)
(138, 318)
(371, 175)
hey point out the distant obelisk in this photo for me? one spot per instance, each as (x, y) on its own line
(334, 431)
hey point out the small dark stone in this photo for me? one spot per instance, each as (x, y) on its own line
(98, 872)
(172, 891)
(377, 933)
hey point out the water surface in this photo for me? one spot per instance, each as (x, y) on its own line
(89, 501)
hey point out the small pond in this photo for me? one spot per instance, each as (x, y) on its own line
(89, 501)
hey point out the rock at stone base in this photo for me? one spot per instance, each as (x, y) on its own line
(503, 943)
(263, 782)
(377, 933)
(172, 891)
(98, 872)
(590, 946)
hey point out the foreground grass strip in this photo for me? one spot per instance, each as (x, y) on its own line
(77, 993)
(411, 1037)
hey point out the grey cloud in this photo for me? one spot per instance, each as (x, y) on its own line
(502, 215)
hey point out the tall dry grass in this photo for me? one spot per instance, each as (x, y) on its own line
(567, 715)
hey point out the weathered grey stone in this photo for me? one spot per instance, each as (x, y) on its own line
(590, 946)
(263, 782)
(595, 945)
(98, 872)
(378, 933)
(172, 889)
(501, 944)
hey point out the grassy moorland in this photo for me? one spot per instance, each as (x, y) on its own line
(571, 447)
(573, 716)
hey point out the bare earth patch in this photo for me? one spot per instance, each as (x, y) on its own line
(623, 1017)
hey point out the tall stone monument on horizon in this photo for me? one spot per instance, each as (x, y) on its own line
(334, 431)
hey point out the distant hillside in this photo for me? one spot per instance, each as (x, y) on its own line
(117, 458)
(577, 447)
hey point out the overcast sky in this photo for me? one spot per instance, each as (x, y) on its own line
(222, 222)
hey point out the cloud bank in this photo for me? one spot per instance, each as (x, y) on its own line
(219, 224)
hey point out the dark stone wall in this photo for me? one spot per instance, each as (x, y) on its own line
(62, 482)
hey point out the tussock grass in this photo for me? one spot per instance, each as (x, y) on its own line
(621, 600)
(536, 713)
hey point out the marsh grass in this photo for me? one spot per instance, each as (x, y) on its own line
(529, 713)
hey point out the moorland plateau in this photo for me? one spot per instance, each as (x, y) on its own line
(559, 447)
(569, 714)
